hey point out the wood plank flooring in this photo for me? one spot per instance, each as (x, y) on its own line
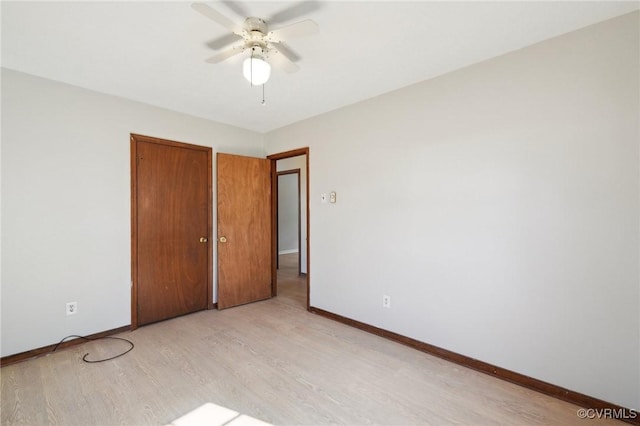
(271, 360)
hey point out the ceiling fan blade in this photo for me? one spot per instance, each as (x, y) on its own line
(225, 54)
(222, 42)
(285, 50)
(295, 11)
(216, 16)
(237, 8)
(299, 29)
(278, 60)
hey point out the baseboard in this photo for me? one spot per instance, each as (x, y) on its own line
(288, 251)
(599, 408)
(23, 356)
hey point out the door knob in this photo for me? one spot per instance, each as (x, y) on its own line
(203, 239)
(222, 239)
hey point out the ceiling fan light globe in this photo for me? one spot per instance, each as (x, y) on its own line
(257, 73)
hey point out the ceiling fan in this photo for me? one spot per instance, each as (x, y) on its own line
(265, 45)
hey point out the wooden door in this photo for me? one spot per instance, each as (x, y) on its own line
(171, 206)
(244, 229)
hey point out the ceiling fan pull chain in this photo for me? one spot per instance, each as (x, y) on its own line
(263, 103)
(251, 82)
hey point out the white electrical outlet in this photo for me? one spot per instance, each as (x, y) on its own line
(386, 301)
(72, 308)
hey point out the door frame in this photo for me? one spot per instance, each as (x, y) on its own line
(134, 138)
(274, 218)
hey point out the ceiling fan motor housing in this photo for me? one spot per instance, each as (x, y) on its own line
(255, 35)
(255, 24)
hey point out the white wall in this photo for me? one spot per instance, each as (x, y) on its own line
(299, 162)
(498, 206)
(66, 203)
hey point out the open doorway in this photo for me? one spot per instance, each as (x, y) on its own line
(291, 245)
(289, 218)
(291, 282)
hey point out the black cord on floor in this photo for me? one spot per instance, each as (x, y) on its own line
(84, 358)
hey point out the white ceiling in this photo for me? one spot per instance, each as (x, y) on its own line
(154, 52)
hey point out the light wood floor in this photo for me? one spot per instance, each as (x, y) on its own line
(271, 360)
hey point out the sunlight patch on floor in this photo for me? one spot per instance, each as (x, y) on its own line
(211, 414)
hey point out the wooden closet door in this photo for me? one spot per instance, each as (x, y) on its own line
(173, 222)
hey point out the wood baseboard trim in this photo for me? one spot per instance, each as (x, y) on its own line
(596, 408)
(23, 356)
